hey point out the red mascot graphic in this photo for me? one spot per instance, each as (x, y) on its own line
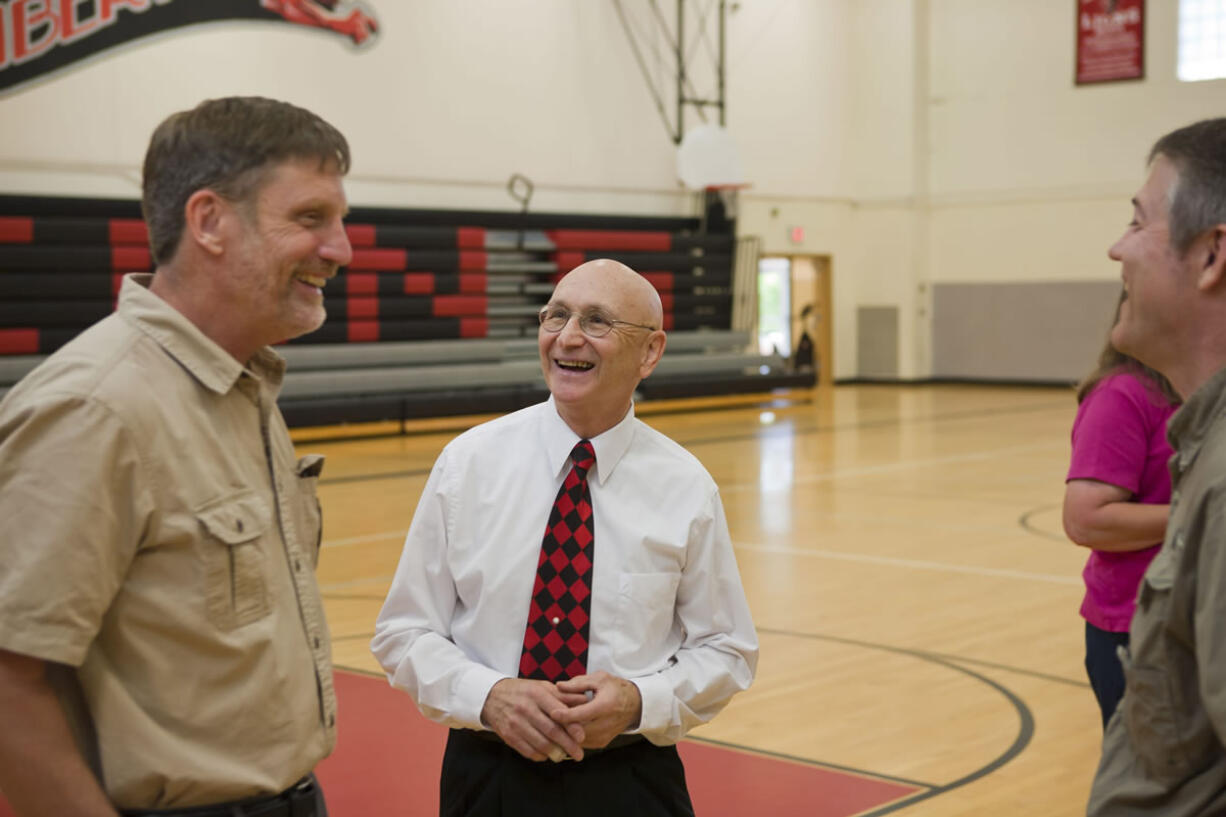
(342, 16)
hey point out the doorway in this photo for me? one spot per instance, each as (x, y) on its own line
(774, 306)
(794, 300)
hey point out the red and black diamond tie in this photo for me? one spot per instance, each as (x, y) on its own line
(555, 642)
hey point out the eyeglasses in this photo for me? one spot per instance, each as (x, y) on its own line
(592, 324)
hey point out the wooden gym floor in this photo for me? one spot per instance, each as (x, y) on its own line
(902, 553)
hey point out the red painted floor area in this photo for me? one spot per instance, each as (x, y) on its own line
(730, 783)
(388, 756)
(387, 753)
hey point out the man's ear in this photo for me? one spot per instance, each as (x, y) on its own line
(653, 350)
(205, 216)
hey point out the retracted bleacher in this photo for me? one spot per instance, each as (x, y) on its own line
(435, 315)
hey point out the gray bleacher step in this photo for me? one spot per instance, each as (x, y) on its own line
(496, 265)
(514, 239)
(525, 371)
(353, 369)
(309, 357)
(384, 380)
(15, 367)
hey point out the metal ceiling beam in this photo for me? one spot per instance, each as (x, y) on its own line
(684, 93)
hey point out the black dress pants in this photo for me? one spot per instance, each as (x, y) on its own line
(484, 778)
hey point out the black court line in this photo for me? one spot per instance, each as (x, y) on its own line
(1021, 741)
(765, 434)
(746, 749)
(960, 659)
(1024, 734)
(804, 761)
(1028, 526)
(1042, 676)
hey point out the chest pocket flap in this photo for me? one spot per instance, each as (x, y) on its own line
(235, 566)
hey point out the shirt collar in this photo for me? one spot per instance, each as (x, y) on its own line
(211, 365)
(610, 446)
(1191, 424)
(191, 349)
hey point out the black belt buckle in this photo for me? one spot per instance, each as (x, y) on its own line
(302, 798)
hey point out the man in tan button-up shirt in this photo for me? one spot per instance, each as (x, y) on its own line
(162, 640)
(1164, 751)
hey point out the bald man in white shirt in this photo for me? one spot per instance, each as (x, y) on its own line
(609, 640)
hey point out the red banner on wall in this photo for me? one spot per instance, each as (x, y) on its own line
(1110, 40)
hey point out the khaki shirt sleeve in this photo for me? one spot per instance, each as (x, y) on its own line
(75, 500)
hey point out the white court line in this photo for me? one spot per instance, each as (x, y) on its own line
(1050, 578)
(894, 467)
(361, 540)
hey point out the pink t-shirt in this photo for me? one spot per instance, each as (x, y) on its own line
(1119, 437)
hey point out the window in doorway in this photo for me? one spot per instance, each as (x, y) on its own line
(1202, 40)
(774, 306)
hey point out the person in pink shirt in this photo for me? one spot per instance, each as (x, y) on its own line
(1116, 500)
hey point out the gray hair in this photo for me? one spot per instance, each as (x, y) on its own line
(1198, 196)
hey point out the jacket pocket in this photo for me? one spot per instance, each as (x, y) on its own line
(236, 584)
(1149, 717)
(1149, 707)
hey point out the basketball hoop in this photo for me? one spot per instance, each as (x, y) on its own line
(727, 195)
(707, 158)
(707, 163)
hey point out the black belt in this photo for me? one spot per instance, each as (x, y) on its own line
(617, 743)
(296, 801)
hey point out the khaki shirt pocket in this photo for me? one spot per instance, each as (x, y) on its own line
(310, 513)
(235, 582)
(1149, 708)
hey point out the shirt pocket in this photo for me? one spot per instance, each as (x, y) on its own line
(1149, 709)
(644, 619)
(310, 512)
(235, 581)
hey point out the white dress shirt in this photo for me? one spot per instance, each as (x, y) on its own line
(668, 611)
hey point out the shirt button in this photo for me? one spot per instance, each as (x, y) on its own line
(316, 642)
(297, 566)
(331, 720)
(556, 620)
